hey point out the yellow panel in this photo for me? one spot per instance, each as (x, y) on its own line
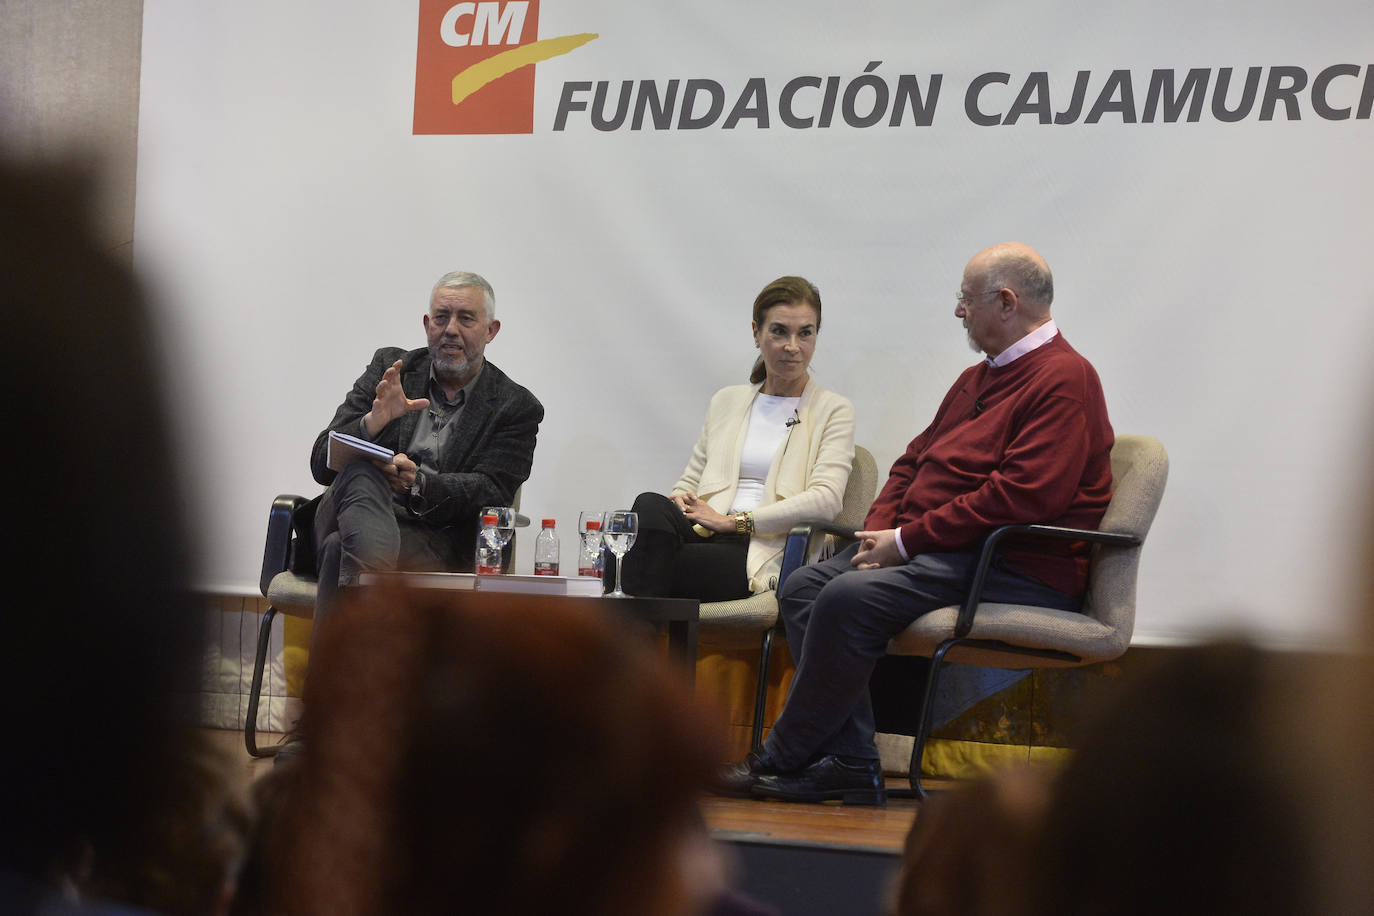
(969, 759)
(295, 652)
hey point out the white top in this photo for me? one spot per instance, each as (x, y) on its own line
(767, 428)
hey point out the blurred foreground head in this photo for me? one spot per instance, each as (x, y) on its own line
(512, 757)
(1219, 779)
(1183, 796)
(93, 656)
(1225, 779)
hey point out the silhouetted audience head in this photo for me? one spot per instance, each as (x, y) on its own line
(972, 848)
(1182, 795)
(515, 756)
(1218, 779)
(267, 798)
(101, 633)
(191, 849)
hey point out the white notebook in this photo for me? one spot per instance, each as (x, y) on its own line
(344, 449)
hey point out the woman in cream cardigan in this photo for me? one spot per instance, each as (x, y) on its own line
(771, 454)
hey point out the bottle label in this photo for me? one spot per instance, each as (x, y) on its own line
(487, 562)
(546, 569)
(589, 571)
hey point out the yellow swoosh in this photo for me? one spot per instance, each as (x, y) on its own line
(498, 65)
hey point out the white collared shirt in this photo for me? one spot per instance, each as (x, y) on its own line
(1035, 339)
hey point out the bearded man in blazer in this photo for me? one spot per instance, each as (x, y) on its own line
(463, 433)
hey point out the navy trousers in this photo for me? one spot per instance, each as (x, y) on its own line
(838, 621)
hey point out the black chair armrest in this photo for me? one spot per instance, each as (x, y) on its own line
(1049, 532)
(835, 528)
(799, 538)
(276, 556)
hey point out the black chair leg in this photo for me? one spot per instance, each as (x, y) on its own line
(937, 660)
(917, 791)
(761, 692)
(250, 723)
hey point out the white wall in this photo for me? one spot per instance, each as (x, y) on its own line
(69, 87)
(1215, 273)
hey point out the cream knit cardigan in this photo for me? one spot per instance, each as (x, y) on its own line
(805, 482)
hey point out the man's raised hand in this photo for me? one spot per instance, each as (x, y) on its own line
(391, 401)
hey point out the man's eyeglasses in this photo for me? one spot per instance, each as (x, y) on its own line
(961, 299)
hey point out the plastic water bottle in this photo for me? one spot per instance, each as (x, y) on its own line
(546, 550)
(589, 553)
(488, 559)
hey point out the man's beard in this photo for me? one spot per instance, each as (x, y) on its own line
(451, 366)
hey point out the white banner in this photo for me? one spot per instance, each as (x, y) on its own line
(629, 176)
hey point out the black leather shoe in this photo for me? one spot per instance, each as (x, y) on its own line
(290, 749)
(737, 780)
(291, 746)
(829, 779)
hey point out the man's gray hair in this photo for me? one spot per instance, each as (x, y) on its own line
(458, 279)
(1029, 276)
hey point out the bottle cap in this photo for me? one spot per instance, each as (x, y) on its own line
(489, 520)
(548, 523)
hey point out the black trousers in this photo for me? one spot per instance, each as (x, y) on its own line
(670, 560)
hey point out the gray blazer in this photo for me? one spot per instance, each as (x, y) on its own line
(486, 460)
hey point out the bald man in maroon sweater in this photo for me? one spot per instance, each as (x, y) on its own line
(1021, 437)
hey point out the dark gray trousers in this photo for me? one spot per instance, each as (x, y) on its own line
(359, 528)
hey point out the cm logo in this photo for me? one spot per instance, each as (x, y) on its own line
(490, 23)
(474, 66)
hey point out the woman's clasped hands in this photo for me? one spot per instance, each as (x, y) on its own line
(699, 512)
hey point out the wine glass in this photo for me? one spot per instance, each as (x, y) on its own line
(619, 528)
(505, 523)
(589, 529)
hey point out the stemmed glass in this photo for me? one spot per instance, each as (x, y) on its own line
(504, 529)
(619, 528)
(589, 528)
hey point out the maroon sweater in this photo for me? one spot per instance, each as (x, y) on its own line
(1027, 442)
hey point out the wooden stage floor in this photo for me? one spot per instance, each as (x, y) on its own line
(736, 820)
(800, 860)
(871, 829)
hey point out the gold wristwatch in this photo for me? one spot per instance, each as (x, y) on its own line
(744, 523)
